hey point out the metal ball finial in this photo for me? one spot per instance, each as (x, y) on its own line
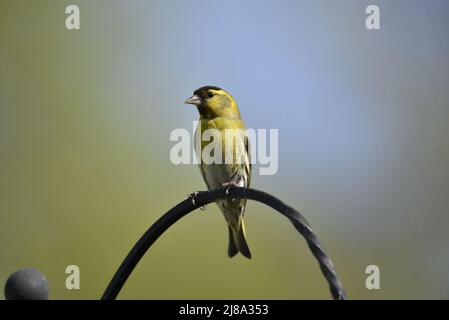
(26, 284)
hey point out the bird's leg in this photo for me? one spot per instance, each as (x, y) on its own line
(193, 196)
(228, 185)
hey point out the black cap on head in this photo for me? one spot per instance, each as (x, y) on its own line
(202, 92)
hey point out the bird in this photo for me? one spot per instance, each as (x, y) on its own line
(218, 110)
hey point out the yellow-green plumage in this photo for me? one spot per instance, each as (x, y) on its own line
(218, 110)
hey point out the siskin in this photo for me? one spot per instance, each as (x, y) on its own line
(218, 110)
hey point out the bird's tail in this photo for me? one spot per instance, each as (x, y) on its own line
(237, 241)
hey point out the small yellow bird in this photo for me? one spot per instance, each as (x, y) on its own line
(218, 110)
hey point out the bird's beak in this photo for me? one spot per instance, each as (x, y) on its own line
(196, 100)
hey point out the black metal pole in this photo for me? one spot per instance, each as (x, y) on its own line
(205, 197)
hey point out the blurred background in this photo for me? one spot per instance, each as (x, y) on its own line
(85, 119)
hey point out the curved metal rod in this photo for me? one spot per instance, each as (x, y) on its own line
(205, 197)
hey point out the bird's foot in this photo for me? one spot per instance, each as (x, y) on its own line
(193, 196)
(229, 185)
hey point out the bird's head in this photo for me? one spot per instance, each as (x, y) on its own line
(214, 102)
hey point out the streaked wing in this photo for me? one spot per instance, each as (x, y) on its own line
(247, 162)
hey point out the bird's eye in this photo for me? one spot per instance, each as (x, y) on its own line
(210, 94)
